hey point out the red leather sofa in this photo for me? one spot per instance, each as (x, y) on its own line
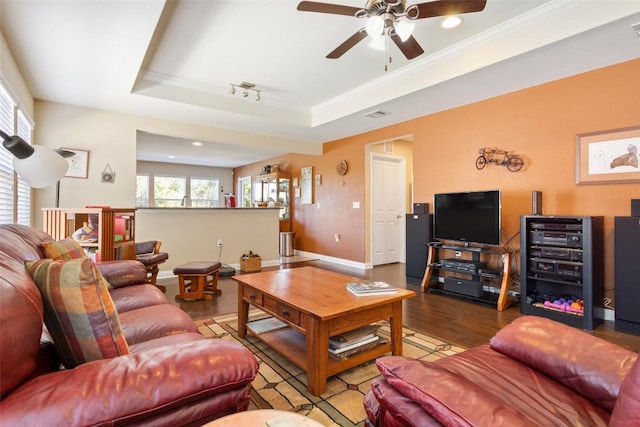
(534, 372)
(172, 375)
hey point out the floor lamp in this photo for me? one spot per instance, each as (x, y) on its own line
(39, 166)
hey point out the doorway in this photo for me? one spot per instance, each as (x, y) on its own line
(388, 202)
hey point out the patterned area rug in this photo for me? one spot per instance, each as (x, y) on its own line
(281, 385)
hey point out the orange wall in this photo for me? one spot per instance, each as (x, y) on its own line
(539, 123)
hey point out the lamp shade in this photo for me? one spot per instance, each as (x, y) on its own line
(377, 43)
(375, 26)
(39, 166)
(44, 167)
(404, 29)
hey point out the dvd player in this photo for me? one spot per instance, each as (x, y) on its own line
(462, 265)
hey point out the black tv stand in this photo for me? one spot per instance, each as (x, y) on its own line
(434, 266)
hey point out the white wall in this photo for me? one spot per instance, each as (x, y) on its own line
(189, 234)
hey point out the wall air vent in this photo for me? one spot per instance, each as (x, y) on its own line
(376, 114)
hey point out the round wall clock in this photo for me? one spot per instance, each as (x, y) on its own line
(342, 167)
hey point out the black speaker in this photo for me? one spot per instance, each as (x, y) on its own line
(635, 207)
(536, 203)
(420, 208)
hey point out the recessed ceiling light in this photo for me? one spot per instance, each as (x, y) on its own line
(171, 157)
(451, 22)
(196, 143)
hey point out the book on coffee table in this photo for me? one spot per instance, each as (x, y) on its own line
(358, 350)
(266, 325)
(370, 288)
(354, 335)
(355, 345)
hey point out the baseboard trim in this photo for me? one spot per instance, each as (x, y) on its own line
(334, 260)
(609, 314)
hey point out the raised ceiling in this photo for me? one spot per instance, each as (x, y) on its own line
(175, 60)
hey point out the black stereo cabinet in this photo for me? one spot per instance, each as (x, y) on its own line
(627, 274)
(562, 256)
(418, 229)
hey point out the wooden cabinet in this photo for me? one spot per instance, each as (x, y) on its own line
(469, 273)
(115, 229)
(563, 257)
(274, 190)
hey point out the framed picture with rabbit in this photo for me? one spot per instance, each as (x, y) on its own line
(608, 157)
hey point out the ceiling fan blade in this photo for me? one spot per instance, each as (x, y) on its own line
(337, 9)
(348, 44)
(449, 7)
(410, 48)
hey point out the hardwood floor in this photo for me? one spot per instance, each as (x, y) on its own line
(454, 320)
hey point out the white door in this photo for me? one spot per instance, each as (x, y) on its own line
(387, 209)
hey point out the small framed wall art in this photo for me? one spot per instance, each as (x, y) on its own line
(78, 163)
(608, 157)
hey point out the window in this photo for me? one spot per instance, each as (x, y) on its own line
(7, 185)
(204, 192)
(166, 191)
(142, 191)
(169, 191)
(23, 205)
(15, 193)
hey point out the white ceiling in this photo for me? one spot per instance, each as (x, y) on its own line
(175, 60)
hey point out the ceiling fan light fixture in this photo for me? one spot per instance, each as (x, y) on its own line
(404, 29)
(375, 26)
(451, 22)
(377, 43)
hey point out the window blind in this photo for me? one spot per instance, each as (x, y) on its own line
(7, 182)
(23, 205)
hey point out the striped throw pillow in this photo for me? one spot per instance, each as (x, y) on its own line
(78, 310)
(66, 249)
(63, 249)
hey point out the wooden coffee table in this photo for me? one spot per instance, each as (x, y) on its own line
(316, 304)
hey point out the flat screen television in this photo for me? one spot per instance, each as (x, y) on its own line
(470, 217)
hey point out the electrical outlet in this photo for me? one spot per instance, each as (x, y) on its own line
(458, 253)
(336, 237)
(220, 242)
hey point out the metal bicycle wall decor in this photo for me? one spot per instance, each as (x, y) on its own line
(513, 162)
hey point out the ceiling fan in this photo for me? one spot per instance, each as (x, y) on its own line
(393, 18)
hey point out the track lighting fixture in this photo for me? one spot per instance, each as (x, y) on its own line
(246, 89)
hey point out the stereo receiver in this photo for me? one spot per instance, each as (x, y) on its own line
(555, 226)
(556, 238)
(565, 269)
(463, 266)
(567, 254)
